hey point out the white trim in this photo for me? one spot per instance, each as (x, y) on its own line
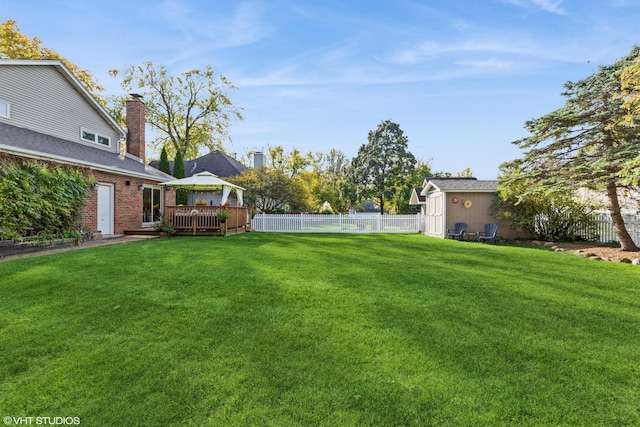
(7, 108)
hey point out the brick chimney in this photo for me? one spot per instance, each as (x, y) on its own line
(135, 127)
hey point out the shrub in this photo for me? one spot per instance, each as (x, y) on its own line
(545, 218)
(40, 198)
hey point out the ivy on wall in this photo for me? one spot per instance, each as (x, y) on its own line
(40, 198)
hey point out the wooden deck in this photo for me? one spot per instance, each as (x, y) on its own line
(203, 221)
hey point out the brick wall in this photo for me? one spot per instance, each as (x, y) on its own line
(127, 202)
(136, 121)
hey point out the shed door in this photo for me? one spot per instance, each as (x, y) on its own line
(434, 215)
(105, 208)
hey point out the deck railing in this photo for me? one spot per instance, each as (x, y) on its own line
(358, 223)
(205, 218)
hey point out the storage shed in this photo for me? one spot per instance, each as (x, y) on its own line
(446, 201)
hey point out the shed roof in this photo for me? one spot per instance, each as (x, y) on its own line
(460, 185)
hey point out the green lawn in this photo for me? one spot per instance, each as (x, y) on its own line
(332, 330)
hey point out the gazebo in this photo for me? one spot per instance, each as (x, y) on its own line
(197, 218)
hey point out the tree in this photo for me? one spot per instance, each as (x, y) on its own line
(586, 143)
(269, 190)
(630, 85)
(163, 163)
(182, 195)
(330, 186)
(15, 45)
(383, 166)
(190, 111)
(291, 164)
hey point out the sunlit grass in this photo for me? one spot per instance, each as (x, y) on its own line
(276, 329)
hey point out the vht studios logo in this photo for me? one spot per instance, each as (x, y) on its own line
(42, 421)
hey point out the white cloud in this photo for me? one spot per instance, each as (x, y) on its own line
(550, 6)
(429, 50)
(489, 64)
(546, 5)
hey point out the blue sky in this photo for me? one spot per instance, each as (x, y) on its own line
(459, 77)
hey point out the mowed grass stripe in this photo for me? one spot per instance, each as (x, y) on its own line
(302, 329)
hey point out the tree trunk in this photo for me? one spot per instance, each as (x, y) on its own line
(616, 217)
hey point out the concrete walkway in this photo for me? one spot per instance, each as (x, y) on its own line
(111, 240)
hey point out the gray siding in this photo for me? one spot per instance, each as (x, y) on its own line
(44, 101)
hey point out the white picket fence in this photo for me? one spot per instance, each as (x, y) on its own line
(357, 223)
(376, 223)
(606, 233)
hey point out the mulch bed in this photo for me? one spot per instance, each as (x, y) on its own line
(592, 250)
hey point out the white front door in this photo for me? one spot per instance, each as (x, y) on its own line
(105, 208)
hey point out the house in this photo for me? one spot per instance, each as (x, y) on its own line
(446, 201)
(47, 114)
(215, 162)
(418, 199)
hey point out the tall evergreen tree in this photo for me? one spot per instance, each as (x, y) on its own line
(163, 164)
(586, 143)
(182, 196)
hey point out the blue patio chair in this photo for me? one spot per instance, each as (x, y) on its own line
(458, 231)
(489, 233)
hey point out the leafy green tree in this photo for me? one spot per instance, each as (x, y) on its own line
(586, 143)
(190, 111)
(383, 167)
(15, 45)
(331, 170)
(270, 190)
(163, 163)
(182, 195)
(292, 163)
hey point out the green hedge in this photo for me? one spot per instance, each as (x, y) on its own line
(40, 198)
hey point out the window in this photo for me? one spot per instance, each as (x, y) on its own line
(5, 109)
(88, 135)
(150, 204)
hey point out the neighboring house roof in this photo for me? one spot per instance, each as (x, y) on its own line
(27, 143)
(469, 185)
(416, 196)
(216, 162)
